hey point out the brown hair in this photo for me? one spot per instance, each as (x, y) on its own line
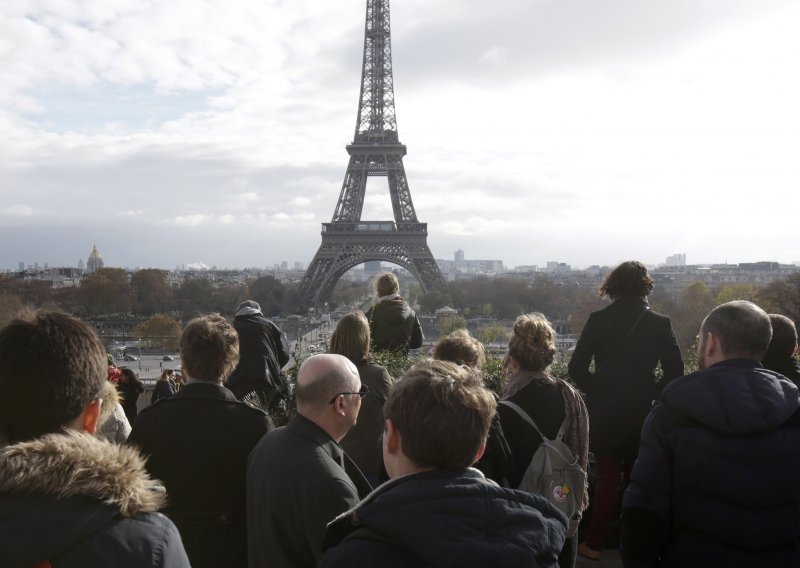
(209, 348)
(533, 342)
(52, 365)
(784, 336)
(442, 412)
(628, 279)
(351, 337)
(460, 347)
(386, 284)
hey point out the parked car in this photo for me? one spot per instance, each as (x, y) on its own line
(130, 358)
(168, 358)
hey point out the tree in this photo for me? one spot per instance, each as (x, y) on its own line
(160, 331)
(449, 324)
(270, 293)
(493, 334)
(733, 292)
(695, 303)
(151, 293)
(195, 296)
(431, 301)
(782, 297)
(10, 306)
(106, 292)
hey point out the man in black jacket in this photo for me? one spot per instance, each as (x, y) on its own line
(67, 498)
(436, 510)
(263, 352)
(715, 483)
(197, 442)
(299, 478)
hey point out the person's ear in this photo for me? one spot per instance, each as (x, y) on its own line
(391, 437)
(338, 406)
(479, 454)
(91, 415)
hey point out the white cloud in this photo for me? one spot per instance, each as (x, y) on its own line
(495, 54)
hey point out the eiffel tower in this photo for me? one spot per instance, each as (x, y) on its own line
(347, 241)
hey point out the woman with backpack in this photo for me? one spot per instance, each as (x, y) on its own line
(551, 403)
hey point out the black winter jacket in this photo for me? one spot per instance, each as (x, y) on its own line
(394, 326)
(263, 351)
(446, 518)
(716, 481)
(75, 501)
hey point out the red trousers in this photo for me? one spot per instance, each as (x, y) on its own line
(612, 475)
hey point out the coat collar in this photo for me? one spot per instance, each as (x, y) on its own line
(205, 390)
(74, 464)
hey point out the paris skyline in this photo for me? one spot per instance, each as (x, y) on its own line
(585, 132)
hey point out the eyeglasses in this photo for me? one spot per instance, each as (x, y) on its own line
(362, 392)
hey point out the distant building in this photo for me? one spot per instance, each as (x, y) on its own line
(372, 267)
(458, 256)
(284, 265)
(298, 266)
(95, 261)
(676, 260)
(21, 267)
(554, 267)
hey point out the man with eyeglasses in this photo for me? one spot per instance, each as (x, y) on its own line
(299, 478)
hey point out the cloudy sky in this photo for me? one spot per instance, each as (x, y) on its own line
(583, 131)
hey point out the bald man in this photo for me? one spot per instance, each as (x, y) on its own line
(299, 478)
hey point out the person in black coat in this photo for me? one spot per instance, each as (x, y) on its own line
(716, 480)
(263, 352)
(299, 478)
(393, 324)
(436, 510)
(627, 342)
(363, 442)
(197, 443)
(781, 355)
(67, 498)
(165, 386)
(130, 387)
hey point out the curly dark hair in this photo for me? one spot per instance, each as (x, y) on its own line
(628, 279)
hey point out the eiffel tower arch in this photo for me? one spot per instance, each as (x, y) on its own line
(376, 151)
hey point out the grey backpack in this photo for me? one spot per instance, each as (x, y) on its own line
(554, 473)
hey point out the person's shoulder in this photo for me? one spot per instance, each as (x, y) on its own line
(152, 534)
(364, 548)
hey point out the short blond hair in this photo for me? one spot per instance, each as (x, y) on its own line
(387, 283)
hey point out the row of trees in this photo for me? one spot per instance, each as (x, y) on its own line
(505, 299)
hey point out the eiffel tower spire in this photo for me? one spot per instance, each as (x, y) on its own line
(376, 151)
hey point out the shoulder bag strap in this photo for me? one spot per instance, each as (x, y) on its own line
(524, 415)
(624, 340)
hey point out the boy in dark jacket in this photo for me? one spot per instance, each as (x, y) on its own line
(436, 510)
(715, 483)
(67, 498)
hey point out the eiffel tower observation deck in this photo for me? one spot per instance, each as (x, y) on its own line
(376, 151)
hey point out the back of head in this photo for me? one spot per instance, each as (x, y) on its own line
(784, 337)
(387, 284)
(247, 308)
(533, 342)
(351, 337)
(629, 279)
(209, 348)
(460, 347)
(127, 374)
(742, 329)
(320, 378)
(52, 365)
(443, 412)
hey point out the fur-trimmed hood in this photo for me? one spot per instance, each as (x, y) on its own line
(79, 465)
(111, 398)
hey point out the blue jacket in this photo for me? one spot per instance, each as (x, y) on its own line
(717, 480)
(446, 518)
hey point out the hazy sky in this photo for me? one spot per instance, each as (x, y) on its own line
(584, 131)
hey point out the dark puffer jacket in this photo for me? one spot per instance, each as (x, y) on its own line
(263, 351)
(75, 501)
(716, 481)
(394, 325)
(446, 518)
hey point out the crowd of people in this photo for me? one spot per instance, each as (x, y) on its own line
(430, 468)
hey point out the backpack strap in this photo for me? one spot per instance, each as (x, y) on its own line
(524, 415)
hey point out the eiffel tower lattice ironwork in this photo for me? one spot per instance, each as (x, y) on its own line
(347, 241)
